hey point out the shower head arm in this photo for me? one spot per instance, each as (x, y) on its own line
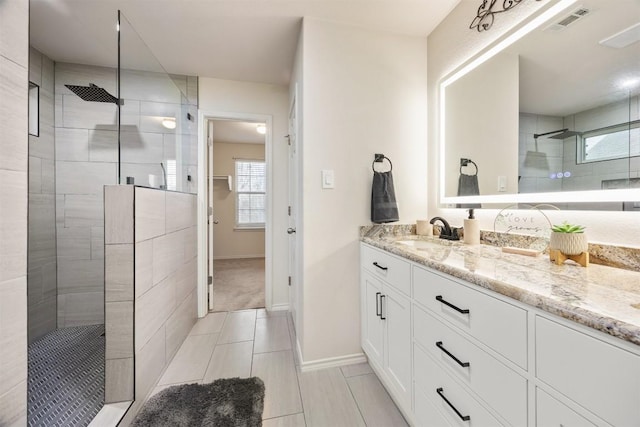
(536, 135)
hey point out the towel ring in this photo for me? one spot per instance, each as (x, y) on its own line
(379, 158)
(465, 162)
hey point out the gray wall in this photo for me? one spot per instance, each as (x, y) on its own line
(14, 57)
(158, 290)
(86, 159)
(41, 276)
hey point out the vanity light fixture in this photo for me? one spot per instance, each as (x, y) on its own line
(261, 129)
(169, 122)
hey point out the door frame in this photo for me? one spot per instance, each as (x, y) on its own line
(203, 119)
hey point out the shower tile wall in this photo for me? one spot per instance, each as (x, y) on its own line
(161, 285)
(86, 160)
(41, 275)
(14, 58)
(79, 183)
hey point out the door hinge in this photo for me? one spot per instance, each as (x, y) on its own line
(289, 210)
(288, 139)
(289, 280)
(210, 280)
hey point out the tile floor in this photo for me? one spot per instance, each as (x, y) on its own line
(257, 343)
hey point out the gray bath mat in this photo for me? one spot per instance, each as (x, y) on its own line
(227, 402)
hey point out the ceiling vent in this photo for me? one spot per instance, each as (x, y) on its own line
(570, 19)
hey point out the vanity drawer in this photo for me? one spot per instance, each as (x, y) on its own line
(499, 325)
(598, 376)
(391, 269)
(508, 396)
(425, 411)
(432, 382)
(551, 412)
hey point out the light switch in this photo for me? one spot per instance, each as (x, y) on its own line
(328, 179)
(502, 183)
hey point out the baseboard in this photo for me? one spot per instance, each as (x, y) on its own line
(330, 362)
(280, 307)
(220, 258)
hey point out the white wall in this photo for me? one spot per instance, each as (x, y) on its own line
(364, 92)
(228, 242)
(450, 45)
(216, 95)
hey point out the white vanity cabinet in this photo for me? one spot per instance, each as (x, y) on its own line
(452, 353)
(386, 319)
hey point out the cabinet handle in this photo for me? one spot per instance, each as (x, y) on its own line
(381, 307)
(378, 312)
(462, 417)
(379, 266)
(441, 347)
(460, 310)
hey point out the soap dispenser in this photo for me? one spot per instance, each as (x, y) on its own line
(471, 230)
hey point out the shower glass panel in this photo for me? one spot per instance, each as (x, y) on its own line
(158, 118)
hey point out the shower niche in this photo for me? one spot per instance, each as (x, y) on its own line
(100, 121)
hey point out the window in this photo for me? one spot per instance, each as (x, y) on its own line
(613, 142)
(250, 193)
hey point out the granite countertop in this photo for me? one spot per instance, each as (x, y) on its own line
(601, 297)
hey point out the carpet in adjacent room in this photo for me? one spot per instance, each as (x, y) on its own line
(238, 284)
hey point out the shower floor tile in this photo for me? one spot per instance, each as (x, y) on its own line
(66, 377)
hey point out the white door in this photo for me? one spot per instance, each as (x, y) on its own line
(210, 220)
(292, 211)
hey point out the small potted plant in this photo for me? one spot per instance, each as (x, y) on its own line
(569, 239)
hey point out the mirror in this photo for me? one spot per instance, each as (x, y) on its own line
(551, 113)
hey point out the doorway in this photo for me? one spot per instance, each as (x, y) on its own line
(238, 210)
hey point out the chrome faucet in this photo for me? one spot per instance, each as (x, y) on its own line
(447, 232)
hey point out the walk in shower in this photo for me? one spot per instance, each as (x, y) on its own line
(120, 122)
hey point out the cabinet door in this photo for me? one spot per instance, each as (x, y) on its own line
(598, 376)
(550, 412)
(372, 325)
(396, 312)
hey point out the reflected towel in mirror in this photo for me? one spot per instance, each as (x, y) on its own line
(468, 186)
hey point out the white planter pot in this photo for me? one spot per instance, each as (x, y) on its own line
(569, 243)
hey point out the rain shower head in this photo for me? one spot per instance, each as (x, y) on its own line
(559, 134)
(93, 93)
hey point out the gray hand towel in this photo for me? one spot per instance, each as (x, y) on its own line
(383, 198)
(468, 186)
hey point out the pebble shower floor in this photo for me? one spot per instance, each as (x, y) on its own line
(66, 377)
